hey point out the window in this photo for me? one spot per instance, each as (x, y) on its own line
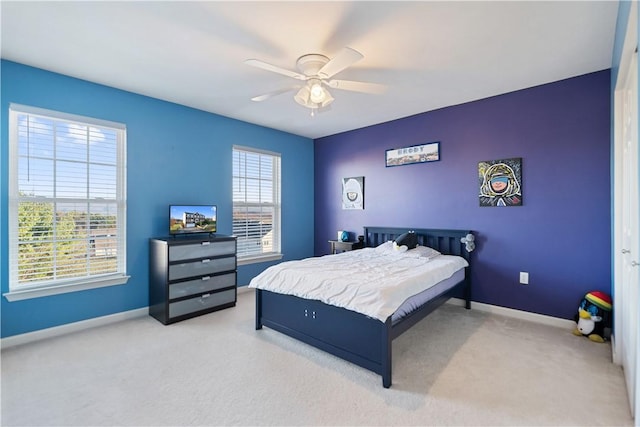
(66, 203)
(256, 204)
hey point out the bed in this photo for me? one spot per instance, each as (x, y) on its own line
(363, 339)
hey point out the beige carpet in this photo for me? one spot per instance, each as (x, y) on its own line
(456, 367)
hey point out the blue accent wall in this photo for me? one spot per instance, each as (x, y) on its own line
(561, 235)
(175, 155)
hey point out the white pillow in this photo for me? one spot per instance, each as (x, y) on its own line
(424, 251)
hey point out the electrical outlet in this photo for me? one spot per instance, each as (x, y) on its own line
(524, 278)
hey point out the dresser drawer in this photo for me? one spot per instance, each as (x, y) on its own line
(201, 250)
(201, 267)
(201, 285)
(204, 302)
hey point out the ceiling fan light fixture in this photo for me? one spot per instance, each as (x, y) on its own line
(317, 93)
(310, 99)
(302, 97)
(328, 99)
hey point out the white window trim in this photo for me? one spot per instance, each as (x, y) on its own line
(272, 256)
(70, 285)
(94, 283)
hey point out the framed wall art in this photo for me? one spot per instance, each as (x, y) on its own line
(414, 154)
(353, 193)
(500, 182)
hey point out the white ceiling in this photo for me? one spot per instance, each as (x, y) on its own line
(429, 54)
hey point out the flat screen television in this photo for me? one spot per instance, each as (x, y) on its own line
(190, 219)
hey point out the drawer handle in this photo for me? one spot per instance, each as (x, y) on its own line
(203, 298)
(206, 278)
(206, 243)
(205, 260)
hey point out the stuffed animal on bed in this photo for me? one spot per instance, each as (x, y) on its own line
(594, 316)
(405, 241)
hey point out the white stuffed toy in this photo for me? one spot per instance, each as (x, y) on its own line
(468, 241)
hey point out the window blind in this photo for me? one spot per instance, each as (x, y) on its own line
(256, 202)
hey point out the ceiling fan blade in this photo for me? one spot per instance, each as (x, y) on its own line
(342, 60)
(265, 66)
(268, 95)
(354, 86)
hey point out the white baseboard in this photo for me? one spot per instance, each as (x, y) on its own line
(72, 327)
(82, 325)
(140, 312)
(517, 314)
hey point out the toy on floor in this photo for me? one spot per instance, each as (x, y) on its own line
(594, 316)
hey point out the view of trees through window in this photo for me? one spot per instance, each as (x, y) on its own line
(85, 244)
(67, 203)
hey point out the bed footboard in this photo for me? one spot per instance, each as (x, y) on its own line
(351, 336)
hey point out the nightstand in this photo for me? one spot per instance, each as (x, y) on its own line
(337, 246)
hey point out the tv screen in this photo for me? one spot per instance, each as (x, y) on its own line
(187, 219)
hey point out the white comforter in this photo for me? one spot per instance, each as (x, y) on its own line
(368, 281)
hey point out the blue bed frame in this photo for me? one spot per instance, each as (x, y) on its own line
(352, 336)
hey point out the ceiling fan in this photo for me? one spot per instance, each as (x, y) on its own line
(316, 71)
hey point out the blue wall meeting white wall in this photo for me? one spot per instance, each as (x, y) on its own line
(175, 155)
